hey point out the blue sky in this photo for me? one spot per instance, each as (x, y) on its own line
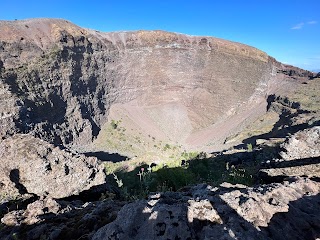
(288, 30)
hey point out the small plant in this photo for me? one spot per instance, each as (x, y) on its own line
(239, 175)
(163, 187)
(249, 147)
(118, 181)
(145, 179)
(141, 173)
(145, 176)
(189, 155)
(114, 124)
(167, 146)
(15, 236)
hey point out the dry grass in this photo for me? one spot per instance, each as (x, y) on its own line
(308, 95)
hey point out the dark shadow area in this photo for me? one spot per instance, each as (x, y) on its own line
(82, 87)
(78, 220)
(15, 178)
(46, 107)
(105, 156)
(283, 100)
(14, 205)
(278, 133)
(238, 167)
(316, 179)
(278, 178)
(294, 163)
(282, 127)
(172, 221)
(302, 221)
(81, 222)
(92, 194)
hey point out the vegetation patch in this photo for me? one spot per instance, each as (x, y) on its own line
(176, 174)
(308, 95)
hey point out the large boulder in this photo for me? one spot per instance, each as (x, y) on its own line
(300, 157)
(32, 166)
(289, 210)
(303, 144)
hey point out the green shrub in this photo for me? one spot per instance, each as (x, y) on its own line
(175, 174)
(114, 124)
(173, 178)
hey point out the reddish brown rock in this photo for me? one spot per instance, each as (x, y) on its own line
(62, 83)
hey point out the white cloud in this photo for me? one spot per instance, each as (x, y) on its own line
(298, 26)
(312, 22)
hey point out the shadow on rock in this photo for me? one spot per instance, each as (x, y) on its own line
(15, 178)
(228, 212)
(59, 219)
(105, 156)
(301, 221)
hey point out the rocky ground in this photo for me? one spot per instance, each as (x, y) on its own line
(70, 95)
(285, 206)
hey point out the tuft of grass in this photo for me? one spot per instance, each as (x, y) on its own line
(249, 147)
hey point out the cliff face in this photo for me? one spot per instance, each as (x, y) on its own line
(64, 88)
(60, 83)
(58, 89)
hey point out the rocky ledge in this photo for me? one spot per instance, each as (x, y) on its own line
(30, 166)
(276, 211)
(288, 210)
(300, 156)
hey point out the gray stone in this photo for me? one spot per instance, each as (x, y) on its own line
(303, 144)
(30, 165)
(225, 213)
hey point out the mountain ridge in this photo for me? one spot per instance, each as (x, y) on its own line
(153, 135)
(198, 80)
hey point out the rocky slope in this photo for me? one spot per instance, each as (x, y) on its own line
(31, 166)
(62, 83)
(288, 207)
(228, 212)
(65, 90)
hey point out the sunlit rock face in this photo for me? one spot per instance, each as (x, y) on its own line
(231, 211)
(63, 83)
(65, 90)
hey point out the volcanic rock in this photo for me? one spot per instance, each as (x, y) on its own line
(59, 220)
(65, 90)
(33, 166)
(32, 214)
(300, 157)
(303, 144)
(65, 84)
(289, 210)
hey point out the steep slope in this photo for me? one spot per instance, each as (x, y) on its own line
(153, 94)
(56, 79)
(66, 85)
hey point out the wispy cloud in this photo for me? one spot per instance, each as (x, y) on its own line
(314, 58)
(312, 22)
(302, 24)
(298, 26)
